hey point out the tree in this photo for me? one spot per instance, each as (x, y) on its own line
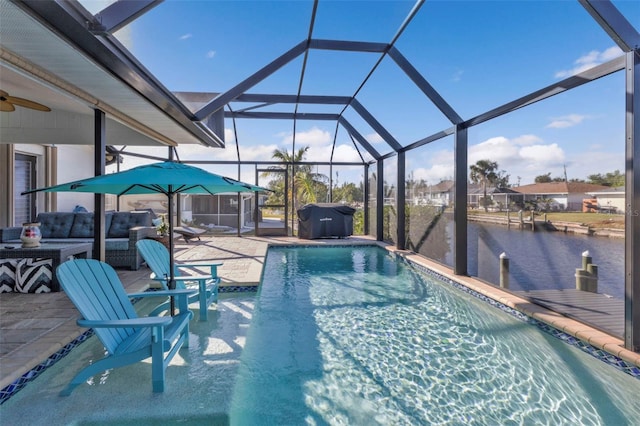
(502, 181)
(544, 203)
(348, 193)
(543, 178)
(610, 179)
(307, 184)
(547, 178)
(484, 173)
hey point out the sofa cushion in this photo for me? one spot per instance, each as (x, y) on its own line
(82, 226)
(67, 240)
(123, 221)
(151, 212)
(142, 218)
(113, 244)
(55, 224)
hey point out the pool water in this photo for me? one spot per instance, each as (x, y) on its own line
(349, 335)
(343, 336)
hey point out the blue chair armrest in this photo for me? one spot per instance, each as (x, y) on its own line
(195, 265)
(138, 233)
(194, 277)
(164, 293)
(213, 266)
(181, 295)
(126, 323)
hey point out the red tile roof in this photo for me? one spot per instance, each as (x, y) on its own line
(559, 188)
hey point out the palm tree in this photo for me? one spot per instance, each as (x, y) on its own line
(301, 177)
(484, 172)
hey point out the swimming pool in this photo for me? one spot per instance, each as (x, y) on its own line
(352, 336)
(344, 335)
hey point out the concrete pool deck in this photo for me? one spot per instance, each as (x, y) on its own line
(34, 326)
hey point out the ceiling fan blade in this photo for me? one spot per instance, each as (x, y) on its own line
(27, 103)
(6, 106)
(3, 93)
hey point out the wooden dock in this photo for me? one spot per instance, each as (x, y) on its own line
(600, 311)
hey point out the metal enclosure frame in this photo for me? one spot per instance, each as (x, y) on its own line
(66, 19)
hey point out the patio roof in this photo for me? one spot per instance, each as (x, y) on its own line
(49, 55)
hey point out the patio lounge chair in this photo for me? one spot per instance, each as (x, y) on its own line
(157, 257)
(189, 233)
(96, 291)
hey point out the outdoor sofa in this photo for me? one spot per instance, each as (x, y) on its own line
(123, 231)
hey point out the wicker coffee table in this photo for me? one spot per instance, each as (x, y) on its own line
(57, 252)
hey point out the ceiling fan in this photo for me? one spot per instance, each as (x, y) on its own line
(7, 103)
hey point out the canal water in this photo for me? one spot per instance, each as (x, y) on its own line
(543, 260)
(539, 260)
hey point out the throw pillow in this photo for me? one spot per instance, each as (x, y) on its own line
(8, 275)
(34, 275)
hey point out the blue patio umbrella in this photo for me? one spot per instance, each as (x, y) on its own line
(168, 178)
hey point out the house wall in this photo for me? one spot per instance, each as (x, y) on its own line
(45, 157)
(74, 162)
(612, 200)
(561, 202)
(574, 201)
(54, 165)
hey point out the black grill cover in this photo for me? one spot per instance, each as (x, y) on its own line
(325, 220)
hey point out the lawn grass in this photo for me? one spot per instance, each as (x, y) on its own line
(597, 220)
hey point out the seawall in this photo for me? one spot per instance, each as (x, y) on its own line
(553, 226)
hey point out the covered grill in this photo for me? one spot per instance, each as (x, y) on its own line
(325, 220)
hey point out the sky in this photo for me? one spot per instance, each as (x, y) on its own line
(477, 55)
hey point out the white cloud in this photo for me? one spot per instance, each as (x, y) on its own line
(186, 36)
(611, 53)
(590, 60)
(256, 152)
(374, 138)
(229, 136)
(430, 166)
(582, 165)
(125, 37)
(434, 174)
(539, 157)
(499, 149)
(566, 121)
(211, 54)
(525, 140)
(311, 137)
(526, 156)
(341, 153)
(347, 154)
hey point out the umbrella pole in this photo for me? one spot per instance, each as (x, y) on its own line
(172, 281)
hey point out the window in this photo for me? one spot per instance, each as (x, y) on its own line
(25, 179)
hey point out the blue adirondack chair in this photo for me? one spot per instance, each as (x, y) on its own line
(96, 291)
(157, 257)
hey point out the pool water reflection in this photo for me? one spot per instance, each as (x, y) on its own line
(351, 336)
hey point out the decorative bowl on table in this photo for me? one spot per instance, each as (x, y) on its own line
(30, 235)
